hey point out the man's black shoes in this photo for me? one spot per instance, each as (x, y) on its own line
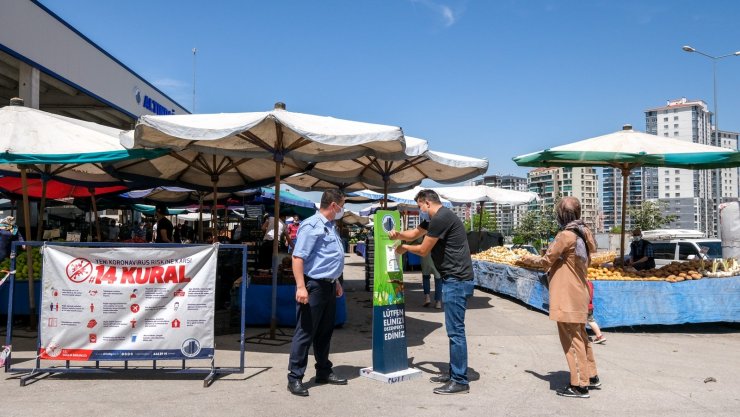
(573, 391)
(452, 387)
(297, 388)
(332, 379)
(440, 379)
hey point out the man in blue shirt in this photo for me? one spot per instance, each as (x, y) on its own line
(318, 261)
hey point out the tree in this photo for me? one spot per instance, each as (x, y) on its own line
(650, 215)
(489, 222)
(536, 227)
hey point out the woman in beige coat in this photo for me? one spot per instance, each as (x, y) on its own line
(567, 261)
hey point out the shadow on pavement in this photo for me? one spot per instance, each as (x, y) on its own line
(438, 368)
(557, 379)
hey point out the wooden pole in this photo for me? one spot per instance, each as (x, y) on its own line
(625, 177)
(29, 255)
(95, 212)
(214, 212)
(200, 217)
(275, 247)
(42, 208)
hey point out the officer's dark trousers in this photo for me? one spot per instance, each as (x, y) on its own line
(315, 325)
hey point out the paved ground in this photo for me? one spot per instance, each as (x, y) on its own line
(515, 359)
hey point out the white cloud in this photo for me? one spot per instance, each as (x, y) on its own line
(449, 16)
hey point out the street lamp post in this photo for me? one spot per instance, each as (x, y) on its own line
(718, 174)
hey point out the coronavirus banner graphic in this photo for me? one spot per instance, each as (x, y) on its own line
(128, 303)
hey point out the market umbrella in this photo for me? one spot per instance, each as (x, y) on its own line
(482, 194)
(307, 182)
(56, 147)
(351, 217)
(275, 141)
(628, 149)
(289, 203)
(177, 195)
(402, 172)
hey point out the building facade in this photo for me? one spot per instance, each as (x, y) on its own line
(554, 183)
(687, 194)
(507, 216)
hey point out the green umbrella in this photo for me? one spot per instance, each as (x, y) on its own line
(628, 149)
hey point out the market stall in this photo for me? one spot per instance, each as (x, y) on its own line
(675, 294)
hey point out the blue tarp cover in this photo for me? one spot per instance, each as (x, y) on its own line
(626, 303)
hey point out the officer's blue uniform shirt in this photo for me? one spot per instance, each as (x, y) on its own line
(319, 245)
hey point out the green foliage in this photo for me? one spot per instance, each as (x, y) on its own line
(650, 215)
(489, 222)
(616, 230)
(536, 227)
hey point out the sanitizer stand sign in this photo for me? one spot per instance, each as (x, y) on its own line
(389, 321)
(128, 303)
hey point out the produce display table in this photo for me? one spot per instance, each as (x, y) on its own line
(626, 303)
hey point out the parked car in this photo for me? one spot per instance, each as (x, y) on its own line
(671, 245)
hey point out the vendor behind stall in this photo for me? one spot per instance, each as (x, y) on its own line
(641, 252)
(8, 234)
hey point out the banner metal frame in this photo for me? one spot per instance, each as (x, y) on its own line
(37, 371)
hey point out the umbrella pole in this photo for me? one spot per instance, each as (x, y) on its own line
(625, 177)
(214, 212)
(95, 211)
(42, 208)
(385, 194)
(200, 217)
(480, 218)
(29, 255)
(275, 242)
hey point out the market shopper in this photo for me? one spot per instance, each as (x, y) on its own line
(599, 337)
(164, 225)
(641, 252)
(293, 231)
(567, 261)
(8, 234)
(445, 239)
(318, 261)
(268, 228)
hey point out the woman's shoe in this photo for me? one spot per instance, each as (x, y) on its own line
(574, 391)
(427, 300)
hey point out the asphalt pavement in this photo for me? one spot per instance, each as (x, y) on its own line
(515, 360)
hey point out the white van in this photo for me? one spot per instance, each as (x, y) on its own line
(681, 245)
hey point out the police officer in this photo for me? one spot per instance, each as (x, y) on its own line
(318, 261)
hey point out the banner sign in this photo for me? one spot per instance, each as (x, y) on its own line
(389, 318)
(106, 303)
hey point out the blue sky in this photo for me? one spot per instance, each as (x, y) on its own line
(491, 79)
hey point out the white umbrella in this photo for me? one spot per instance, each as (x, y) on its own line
(275, 139)
(60, 148)
(485, 194)
(401, 172)
(351, 217)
